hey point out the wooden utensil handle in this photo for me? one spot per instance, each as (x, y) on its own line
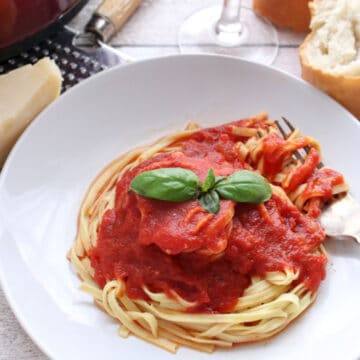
(118, 11)
(110, 16)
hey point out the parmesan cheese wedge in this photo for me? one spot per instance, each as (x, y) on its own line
(24, 93)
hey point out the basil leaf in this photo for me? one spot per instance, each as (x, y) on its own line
(209, 182)
(244, 186)
(210, 202)
(169, 184)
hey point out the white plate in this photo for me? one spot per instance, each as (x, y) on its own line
(49, 170)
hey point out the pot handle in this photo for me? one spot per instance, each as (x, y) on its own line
(110, 16)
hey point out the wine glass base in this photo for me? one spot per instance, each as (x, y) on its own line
(256, 41)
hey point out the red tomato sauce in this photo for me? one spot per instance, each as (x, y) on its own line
(207, 259)
(319, 186)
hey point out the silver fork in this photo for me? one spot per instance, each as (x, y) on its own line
(340, 218)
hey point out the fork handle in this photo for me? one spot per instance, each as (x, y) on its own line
(341, 219)
(110, 16)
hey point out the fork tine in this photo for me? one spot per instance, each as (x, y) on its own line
(306, 148)
(288, 123)
(292, 129)
(284, 135)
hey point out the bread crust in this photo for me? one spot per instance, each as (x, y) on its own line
(294, 14)
(345, 89)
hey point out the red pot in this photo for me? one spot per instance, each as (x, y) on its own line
(24, 21)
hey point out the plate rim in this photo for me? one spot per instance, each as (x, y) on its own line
(4, 284)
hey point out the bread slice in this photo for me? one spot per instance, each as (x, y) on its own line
(330, 55)
(294, 14)
(24, 93)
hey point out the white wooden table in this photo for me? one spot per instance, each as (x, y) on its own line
(150, 32)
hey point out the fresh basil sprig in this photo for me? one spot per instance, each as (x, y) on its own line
(177, 185)
(244, 186)
(209, 181)
(169, 184)
(210, 201)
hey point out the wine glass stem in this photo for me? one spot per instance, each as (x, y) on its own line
(229, 21)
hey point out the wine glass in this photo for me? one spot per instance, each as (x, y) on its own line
(232, 30)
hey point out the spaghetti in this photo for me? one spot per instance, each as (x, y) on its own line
(174, 274)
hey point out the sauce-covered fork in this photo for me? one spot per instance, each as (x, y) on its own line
(341, 217)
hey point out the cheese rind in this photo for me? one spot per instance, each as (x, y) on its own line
(24, 93)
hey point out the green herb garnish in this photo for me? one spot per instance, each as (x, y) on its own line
(178, 184)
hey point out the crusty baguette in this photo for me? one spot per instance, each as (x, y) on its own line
(330, 55)
(293, 14)
(344, 89)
